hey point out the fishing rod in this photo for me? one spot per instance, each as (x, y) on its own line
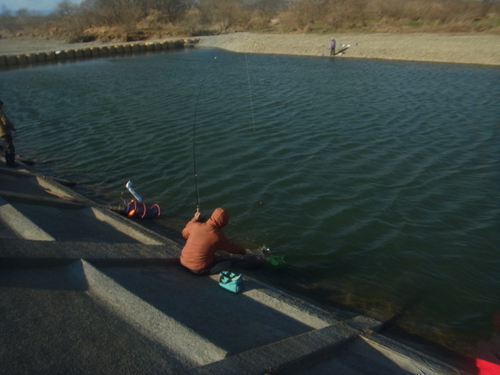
(195, 171)
(263, 251)
(250, 93)
(194, 138)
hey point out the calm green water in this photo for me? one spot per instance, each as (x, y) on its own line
(378, 181)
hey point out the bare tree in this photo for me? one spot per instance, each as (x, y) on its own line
(7, 21)
(346, 13)
(66, 8)
(487, 5)
(6, 11)
(224, 14)
(307, 12)
(172, 10)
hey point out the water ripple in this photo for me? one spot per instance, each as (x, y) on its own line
(378, 180)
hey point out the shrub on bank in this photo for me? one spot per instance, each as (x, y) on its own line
(114, 20)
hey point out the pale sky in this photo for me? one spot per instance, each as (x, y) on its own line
(44, 6)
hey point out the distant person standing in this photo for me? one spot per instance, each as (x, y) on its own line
(6, 128)
(333, 44)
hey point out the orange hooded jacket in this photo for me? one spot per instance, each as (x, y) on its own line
(204, 239)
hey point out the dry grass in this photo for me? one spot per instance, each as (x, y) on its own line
(105, 21)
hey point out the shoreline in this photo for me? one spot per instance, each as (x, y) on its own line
(234, 45)
(468, 48)
(102, 315)
(480, 49)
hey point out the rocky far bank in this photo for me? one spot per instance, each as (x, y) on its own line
(463, 48)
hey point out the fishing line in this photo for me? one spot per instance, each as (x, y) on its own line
(250, 92)
(194, 137)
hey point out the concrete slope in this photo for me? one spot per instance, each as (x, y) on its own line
(84, 290)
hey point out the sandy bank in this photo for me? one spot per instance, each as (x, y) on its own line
(449, 48)
(17, 46)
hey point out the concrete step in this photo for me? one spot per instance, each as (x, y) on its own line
(289, 355)
(95, 292)
(53, 322)
(191, 318)
(55, 222)
(185, 342)
(387, 353)
(21, 225)
(43, 253)
(162, 319)
(36, 207)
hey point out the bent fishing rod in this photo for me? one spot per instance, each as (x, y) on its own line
(194, 137)
(195, 122)
(250, 93)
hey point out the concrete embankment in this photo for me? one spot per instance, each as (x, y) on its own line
(85, 290)
(13, 60)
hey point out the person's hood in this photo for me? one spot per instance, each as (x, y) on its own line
(219, 218)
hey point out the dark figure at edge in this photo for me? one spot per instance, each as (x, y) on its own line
(6, 129)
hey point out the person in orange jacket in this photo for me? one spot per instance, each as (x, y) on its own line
(203, 239)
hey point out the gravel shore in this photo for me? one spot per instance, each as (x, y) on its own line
(450, 48)
(469, 48)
